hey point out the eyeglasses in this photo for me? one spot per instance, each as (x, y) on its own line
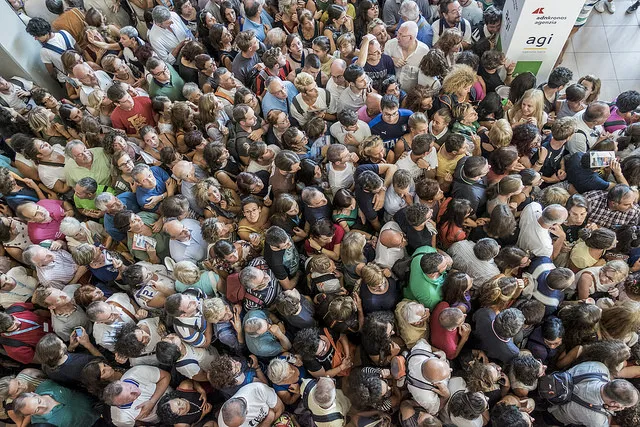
(164, 70)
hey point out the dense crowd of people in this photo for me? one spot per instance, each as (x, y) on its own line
(312, 213)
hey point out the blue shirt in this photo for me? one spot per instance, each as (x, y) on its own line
(143, 195)
(390, 133)
(258, 27)
(270, 102)
(425, 32)
(129, 200)
(583, 179)
(265, 345)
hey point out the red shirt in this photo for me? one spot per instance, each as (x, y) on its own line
(337, 239)
(39, 231)
(24, 354)
(446, 341)
(132, 121)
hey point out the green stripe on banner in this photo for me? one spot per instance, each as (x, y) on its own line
(524, 66)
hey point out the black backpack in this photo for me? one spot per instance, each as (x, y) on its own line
(557, 389)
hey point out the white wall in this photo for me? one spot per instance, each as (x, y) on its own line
(20, 53)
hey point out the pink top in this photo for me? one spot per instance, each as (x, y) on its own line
(362, 114)
(479, 91)
(39, 232)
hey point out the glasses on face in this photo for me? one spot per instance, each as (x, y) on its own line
(390, 115)
(164, 70)
(124, 163)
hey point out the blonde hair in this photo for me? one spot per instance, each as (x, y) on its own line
(497, 292)
(459, 76)
(620, 321)
(371, 274)
(597, 86)
(351, 248)
(96, 98)
(501, 133)
(108, 63)
(186, 272)
(213, 309)
(368, 143)
(38, 119)
(319, 264)
(303, 80)
(537, 97)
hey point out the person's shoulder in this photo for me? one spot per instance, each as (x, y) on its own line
(375, 121)
(590, 367)
(140, 372)
(404, 112)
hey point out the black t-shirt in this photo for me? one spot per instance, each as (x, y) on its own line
(492, 81)
(325, 361)
(415, 238)
(68, 374)
(380, 302)
(313, 215)
(364, 198)
(277, 263)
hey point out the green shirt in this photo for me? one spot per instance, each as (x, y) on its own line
(172, 90)
(74, 409)
(421, 287)
(100, 169)
(91, 203)
(162, 239)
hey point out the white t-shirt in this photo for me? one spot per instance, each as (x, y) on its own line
(260, 399)
(48, 56)
(338, 132)
(466, 34)
(386, 257)
(340, 179)
(408, 73)
(195, 359)
(105, 335)
(145, 377)
(428, 399)
(148, 356)
(416, 172)
(48, 174)
(104, 83)
(532, 236)
(25, 285)
(457, 384)
(320, 104)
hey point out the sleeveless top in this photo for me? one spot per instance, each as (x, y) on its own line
(306, 43)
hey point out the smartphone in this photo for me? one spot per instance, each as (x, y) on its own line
(78, 332)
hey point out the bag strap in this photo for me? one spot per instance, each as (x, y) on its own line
(127, 312)
(10, 342)
(597, 408)
(297, 106)
(254, 298)
(322, 278)
(185, 362)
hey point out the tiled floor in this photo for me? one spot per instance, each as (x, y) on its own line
(608, 46)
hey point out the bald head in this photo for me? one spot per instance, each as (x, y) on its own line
(373, 102)
(338, 65)
(450, 318)
(391, 238)
(85, 74)
(435, 370)
(182, 170)
(552, 215)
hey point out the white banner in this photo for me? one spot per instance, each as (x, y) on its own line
(534, 32)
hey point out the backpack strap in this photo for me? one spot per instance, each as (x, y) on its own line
(576, 399)
(297, 105)
(415, 382)
(185, 362)
(254, 298)
(327, 98)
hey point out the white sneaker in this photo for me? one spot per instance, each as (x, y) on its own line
(611, 7)
(599, 7)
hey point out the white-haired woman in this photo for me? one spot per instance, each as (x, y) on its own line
(286, 374)
(77, 232)
(189, 275)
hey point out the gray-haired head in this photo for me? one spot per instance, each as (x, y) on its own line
(409, 10)
(129, 31)
(160, 14)
(102, 199)
(69, 147)
(554, 214)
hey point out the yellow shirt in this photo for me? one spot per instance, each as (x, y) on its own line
(445, 165)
